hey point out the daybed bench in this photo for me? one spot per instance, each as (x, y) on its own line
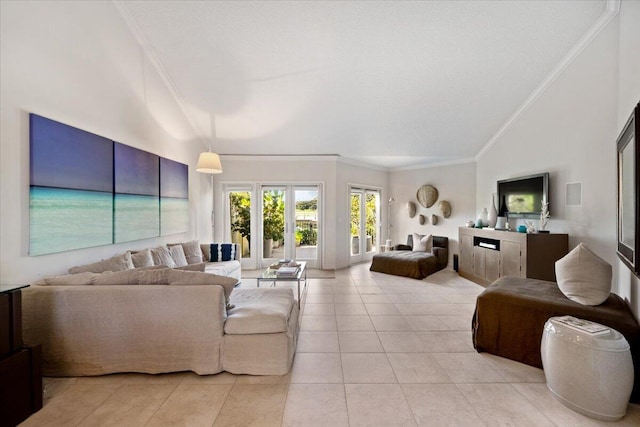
(510, 315)
(415, 264)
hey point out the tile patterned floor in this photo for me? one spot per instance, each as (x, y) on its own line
(373, 350)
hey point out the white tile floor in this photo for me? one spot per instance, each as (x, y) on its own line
(373, 350)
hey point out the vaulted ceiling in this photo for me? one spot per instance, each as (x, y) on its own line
(387, 83)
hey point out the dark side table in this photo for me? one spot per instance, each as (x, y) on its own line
(20, 365)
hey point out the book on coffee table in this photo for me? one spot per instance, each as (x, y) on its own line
(581, 325)
(287, 271)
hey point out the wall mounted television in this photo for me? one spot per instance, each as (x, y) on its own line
(523, 196)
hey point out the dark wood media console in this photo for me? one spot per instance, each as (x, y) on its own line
(20, 365)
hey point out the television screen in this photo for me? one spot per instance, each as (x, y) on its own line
(523, 196)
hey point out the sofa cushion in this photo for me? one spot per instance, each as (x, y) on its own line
(182, 277)
(222, 268)
(583, 276)
(177, 253)
(115, 263)
(153, 277)
(193, 267)
(77, 279)
(422, 243)
(259, 311)
(192, 251)
(125, 277)
(222, 252)
(162, 256)
(141, 258)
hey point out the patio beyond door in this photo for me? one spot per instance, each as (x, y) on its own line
(290, 223)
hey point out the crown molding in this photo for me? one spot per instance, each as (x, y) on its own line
(433, 165)
(613, 8)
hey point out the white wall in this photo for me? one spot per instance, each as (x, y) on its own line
(628, 285)
(77, 63)
(455, 183)
(570, 131)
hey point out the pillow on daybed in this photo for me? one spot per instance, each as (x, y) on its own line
(422, 243)
(115, 263)
(583, 276)
(124, 277)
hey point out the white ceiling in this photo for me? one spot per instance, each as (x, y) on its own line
(388, 83)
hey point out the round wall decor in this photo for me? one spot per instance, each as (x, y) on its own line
(445, 208)
(411, 209)
(427, 195)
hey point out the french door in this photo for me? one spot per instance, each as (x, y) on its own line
(290, 223)
(364, 238)
(274, 222)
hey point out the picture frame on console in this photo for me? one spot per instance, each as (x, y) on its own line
(628, 221)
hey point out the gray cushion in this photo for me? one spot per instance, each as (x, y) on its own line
(78, 279)
(182, 277)
(259, 311)
(162, 256)
(115, 263)
(142, 258)
(177, 253)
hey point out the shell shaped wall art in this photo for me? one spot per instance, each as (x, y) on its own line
(422, 219)
(445, 208)
(434, 219)
(427, 195)
(411, 209)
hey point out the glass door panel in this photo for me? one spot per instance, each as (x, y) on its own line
(306, 223)
(364, 224)
(355, 222)
(372, 221)
(240, 216)
(273, 223)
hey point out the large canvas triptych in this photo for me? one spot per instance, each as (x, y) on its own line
(87, 190)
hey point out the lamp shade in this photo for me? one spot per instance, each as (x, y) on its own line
(209, 162)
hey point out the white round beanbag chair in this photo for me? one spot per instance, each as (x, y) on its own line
(583, 276)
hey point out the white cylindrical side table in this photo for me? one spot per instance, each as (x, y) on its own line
(591, 374)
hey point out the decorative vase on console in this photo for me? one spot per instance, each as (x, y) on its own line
(484, 217)
(501, 222)
(493, 212)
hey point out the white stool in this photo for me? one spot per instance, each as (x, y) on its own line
(591, 374)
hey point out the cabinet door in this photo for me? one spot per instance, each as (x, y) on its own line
(510, 259)
(479, 266)
(466, 254)
(491, 265)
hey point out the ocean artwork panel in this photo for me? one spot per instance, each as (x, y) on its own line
(63, 219)
(174, 215)
(174, 197)
(62, 156)
(136, 217)
(135, 171)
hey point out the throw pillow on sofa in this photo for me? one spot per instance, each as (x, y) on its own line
(193, 267)
(78, 279)
(583, 276)
(124, 277)
(177, 253)
(192, 251)
(141, 258)
(115, 263)
(162, 256)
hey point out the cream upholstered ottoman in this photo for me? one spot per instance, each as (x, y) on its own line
(589, 373)
(260, 332)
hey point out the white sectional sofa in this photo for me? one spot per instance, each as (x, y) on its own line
(159, 320)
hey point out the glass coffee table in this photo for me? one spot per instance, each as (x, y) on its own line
(271, 275)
